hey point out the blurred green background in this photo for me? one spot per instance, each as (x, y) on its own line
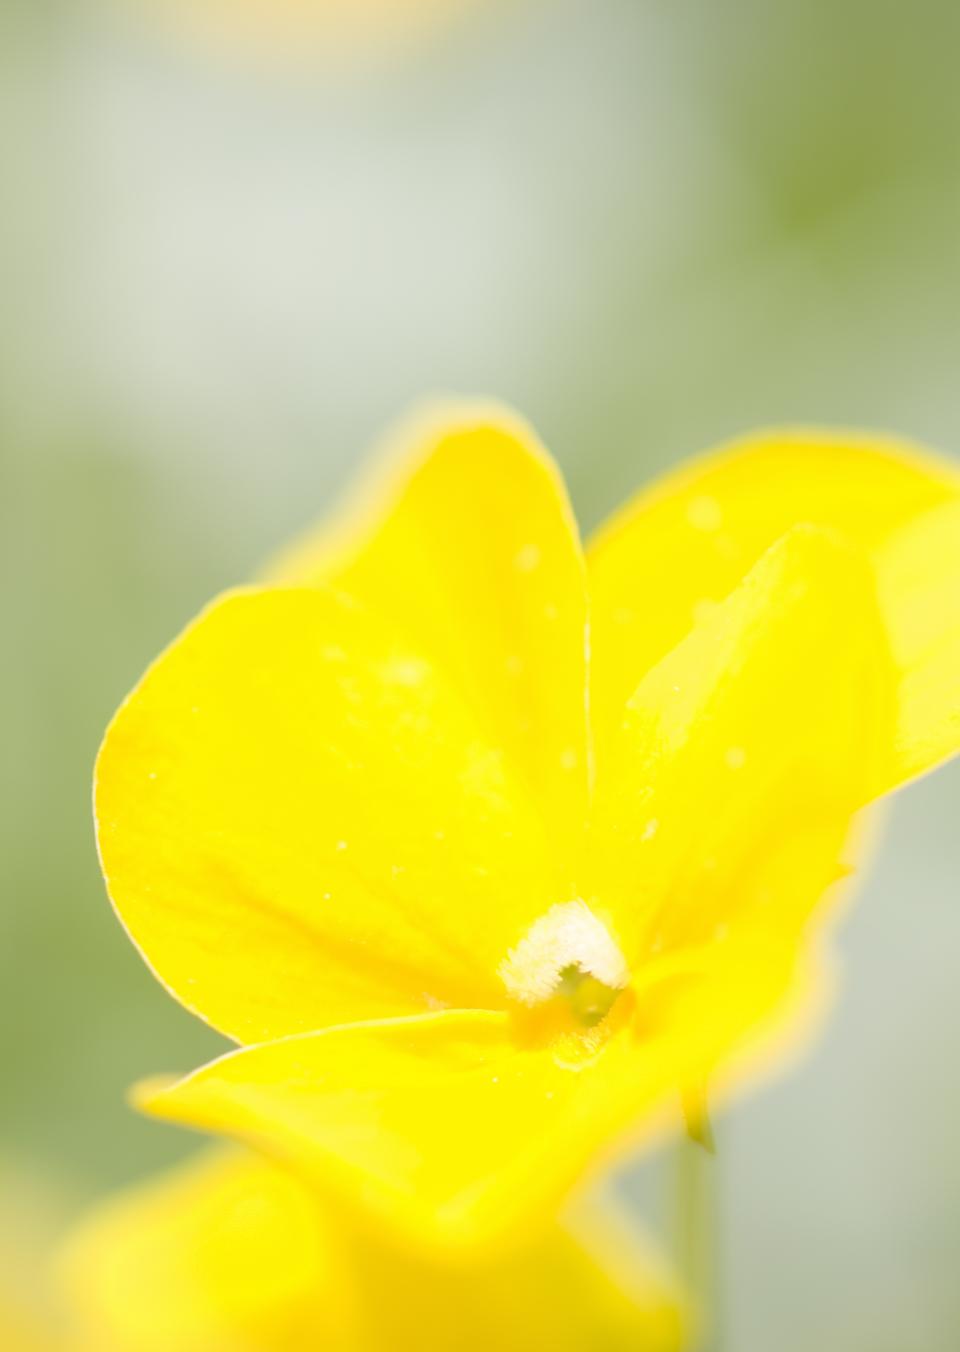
(648, 225)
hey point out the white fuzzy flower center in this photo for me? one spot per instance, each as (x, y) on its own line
(570, 953)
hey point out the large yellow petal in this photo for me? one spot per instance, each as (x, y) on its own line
(463, 535)
(231, 1254)
(689, 539)
(726, 796)
(301, 823)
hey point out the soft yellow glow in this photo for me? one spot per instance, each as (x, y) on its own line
(230, 1254)
(269, 30)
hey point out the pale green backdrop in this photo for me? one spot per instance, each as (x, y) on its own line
(649, 225)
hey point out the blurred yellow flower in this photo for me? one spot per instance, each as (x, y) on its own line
(271, 28)
(31, 1217)
(19, 1332)
(230, 1254)
(479, 924)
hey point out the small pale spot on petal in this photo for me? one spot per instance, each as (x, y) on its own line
(407, 671)
(569, 758)
(704, 513)
(735, 757)
(651, 829)
(527, 558)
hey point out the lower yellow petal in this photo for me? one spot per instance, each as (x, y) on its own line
(453, 1134)
(442, 1126)
(430, 1121)
(231, 1254)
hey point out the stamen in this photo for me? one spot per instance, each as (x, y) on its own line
(568, 952)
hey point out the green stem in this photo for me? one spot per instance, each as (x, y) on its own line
(696, 1215)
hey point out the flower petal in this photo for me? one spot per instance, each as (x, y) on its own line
(455, 1135)
(21, 1333)
(230, 1252)
(690, 539)
(432, 1122)
(300, 823)
(225, 1252)
(464, 536)
(919, 576)
(726, 797)
(442, 1125)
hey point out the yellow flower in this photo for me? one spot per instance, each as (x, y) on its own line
(477, 924)
(230, 1254)
(270, 29)
(20, 1332)
(31, 1216)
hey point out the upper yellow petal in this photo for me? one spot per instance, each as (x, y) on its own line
(231, 1254)
(689, 539)
(462, 534)
(726, 793)
(919, 575)
(301, 822)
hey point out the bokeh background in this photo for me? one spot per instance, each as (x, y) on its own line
(228, 258)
